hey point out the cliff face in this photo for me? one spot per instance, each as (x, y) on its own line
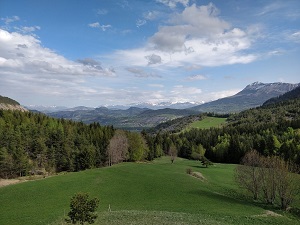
(5, 106)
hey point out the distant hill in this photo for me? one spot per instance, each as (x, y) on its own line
(10, 104)
(283, 107)
(251, 96)
(133, 118)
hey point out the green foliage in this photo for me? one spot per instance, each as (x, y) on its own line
(138, 149)
(31, 143)
(272, 130)
(82, 209)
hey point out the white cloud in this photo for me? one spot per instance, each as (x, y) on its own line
(140, 23)
(195, 38)
(197, 77)
(151, 15)
(219, 94)
(156, 85)
(8, 20)
(138, 72)
(97, 25)
(295, 37)
(173, 3)
(94, 25)
(24, 54)
(25, 29)
(102, 12)
(274, 6)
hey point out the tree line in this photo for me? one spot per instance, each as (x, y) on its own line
(270, 179)
(33, 143)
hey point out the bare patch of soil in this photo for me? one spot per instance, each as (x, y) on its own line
(5, 182)
(198, 175)
(268, 213)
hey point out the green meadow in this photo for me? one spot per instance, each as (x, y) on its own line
(156, 192)
(207, 123)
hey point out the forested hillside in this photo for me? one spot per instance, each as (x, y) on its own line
(271, 130)
(9, 101)
(35, 143)
(287, 96)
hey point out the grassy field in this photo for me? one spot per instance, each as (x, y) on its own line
(207, 123)
(141, 193)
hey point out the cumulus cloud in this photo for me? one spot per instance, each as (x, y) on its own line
(194, 38)
(141, 73)
(153, 59)
(194, 23)
(24, 54)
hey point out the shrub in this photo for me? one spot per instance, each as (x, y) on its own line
(82, 209)
(189, 171)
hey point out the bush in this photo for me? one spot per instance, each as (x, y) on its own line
(82, 209)
(189, 171)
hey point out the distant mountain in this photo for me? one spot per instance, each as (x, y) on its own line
(45, 109)
(10, 104)
(133, 118)
(251, 96)
(161, 105)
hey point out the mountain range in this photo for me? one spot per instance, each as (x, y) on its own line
(148, 115)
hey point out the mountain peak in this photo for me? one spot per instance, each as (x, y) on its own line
(251, 96)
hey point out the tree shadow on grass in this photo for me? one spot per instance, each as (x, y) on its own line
(200, 167)
(221, 197)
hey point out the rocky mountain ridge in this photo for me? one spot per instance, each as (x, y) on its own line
(253, 95)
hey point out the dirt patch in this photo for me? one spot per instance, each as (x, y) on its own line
(198, 175)
(268, 213)
(5, 182)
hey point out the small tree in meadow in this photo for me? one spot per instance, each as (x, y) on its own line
(82, 209)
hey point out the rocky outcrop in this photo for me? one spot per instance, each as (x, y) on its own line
(5, 106)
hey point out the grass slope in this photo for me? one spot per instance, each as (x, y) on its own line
(207, 123)
(139, 193)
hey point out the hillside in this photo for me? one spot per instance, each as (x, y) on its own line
(251, 96)
(293, 94)
(272, 129)
(10, 104)
(140, 194)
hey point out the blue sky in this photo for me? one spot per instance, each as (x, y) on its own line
(101, 52)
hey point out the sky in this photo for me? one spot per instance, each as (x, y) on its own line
(120, 52)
